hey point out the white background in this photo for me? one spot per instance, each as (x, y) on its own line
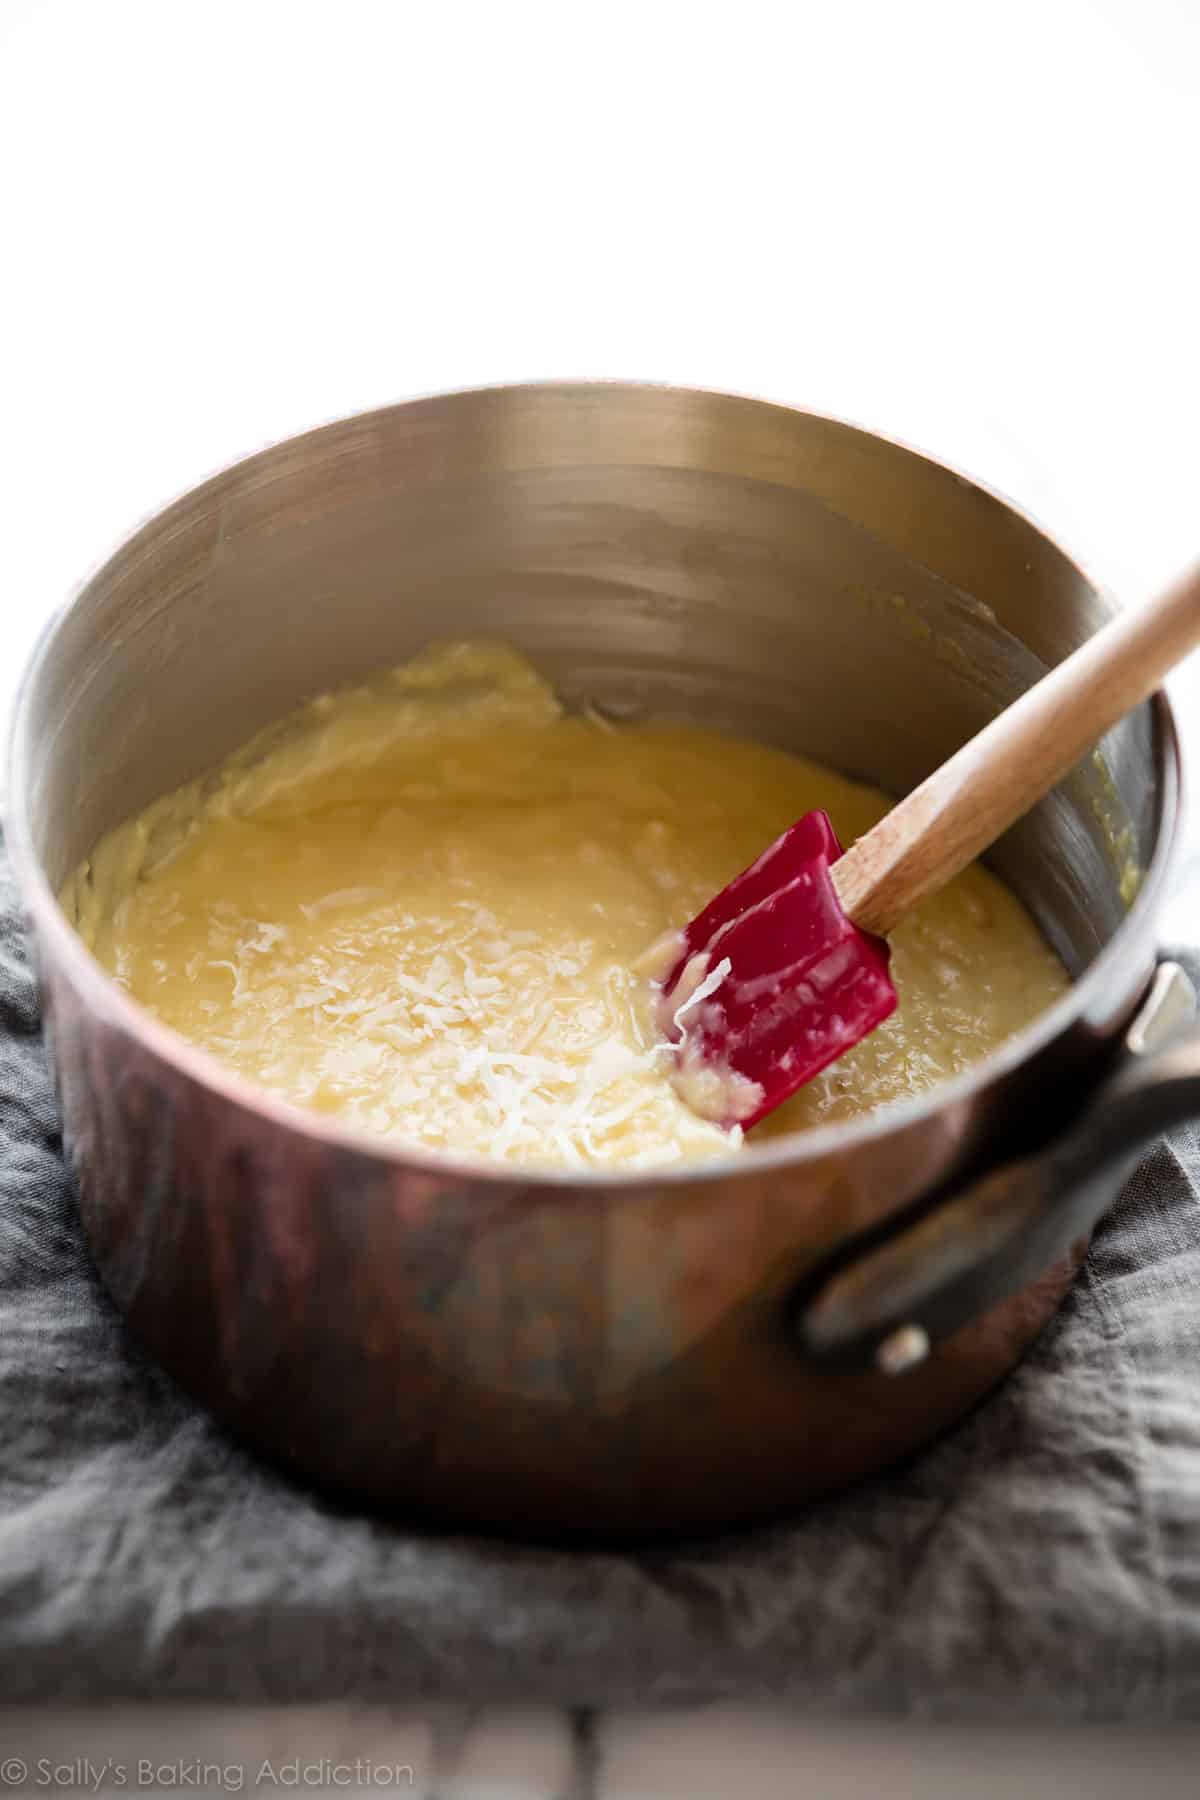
(970, 225)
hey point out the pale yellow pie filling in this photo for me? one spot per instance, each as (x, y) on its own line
(420, 904)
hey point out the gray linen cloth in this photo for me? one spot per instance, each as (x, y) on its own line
(1041, 1560)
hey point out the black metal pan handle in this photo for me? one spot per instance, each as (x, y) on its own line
(902, 1296)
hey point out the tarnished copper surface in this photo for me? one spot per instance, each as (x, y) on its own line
(591, 1358)
(540, 1359)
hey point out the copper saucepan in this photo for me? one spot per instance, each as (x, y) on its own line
(599, 1356)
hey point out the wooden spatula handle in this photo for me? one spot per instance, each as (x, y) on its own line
(1006, 768)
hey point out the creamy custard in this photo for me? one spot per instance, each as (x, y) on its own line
(420, 905)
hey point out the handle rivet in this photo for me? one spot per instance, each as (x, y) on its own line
(902, 1349)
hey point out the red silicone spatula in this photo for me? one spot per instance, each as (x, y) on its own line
(787, 968)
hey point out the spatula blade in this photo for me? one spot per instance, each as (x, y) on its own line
(772, 982)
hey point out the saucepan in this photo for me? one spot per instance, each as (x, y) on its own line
(601, 1356)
